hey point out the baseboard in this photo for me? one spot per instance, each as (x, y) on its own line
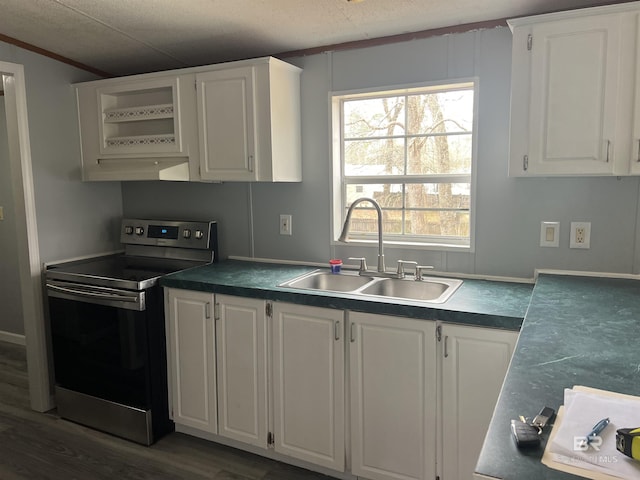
(12, 338)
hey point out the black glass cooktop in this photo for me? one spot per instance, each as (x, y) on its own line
(120, 271)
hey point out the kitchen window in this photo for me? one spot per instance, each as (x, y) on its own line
(412, 150)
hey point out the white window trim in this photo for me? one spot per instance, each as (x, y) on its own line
(337, 184)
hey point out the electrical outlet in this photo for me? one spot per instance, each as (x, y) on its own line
(580, 235)
(285, 224)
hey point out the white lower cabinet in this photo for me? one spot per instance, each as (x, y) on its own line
(191, 357)
(241, 352)
(419, 394)
(474, 362)
(393, 397)
(308, 384)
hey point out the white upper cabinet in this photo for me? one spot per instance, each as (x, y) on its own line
(249, 122)
(138, 129)
(245, 116)
(574, 93)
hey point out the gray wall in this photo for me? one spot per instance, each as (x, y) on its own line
(74, 218)
(508, 210)
(11, 316)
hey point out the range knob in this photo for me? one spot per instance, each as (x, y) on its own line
(128, 229)
(186, 233)
(139, 230)
(199, 234)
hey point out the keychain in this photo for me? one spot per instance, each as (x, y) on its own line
(527, 434)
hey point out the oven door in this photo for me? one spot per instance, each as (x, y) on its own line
(100, 342)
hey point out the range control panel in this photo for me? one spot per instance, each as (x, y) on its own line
(168, 233)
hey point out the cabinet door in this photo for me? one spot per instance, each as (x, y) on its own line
(308, 378)
(242, 369)
(474, 363)
(564, 96)
(226, 123)
(393, 397)
(192, 359)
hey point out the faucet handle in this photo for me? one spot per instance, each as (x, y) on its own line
(401, 264)
(363, 263)
(419, 270)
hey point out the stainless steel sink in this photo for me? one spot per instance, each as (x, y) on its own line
(434, 290)
(326, 281)
(429, 289)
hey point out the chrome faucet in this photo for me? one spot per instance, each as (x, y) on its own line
(344, 236)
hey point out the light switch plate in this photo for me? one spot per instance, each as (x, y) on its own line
(549, 234)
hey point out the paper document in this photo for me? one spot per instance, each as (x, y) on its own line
(599, 459)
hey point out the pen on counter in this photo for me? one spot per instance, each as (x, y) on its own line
(597, 428)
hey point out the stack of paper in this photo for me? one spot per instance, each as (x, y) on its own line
(583, 408)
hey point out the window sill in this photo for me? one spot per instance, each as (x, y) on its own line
(447, 247)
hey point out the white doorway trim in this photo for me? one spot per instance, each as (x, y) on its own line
(27, 235)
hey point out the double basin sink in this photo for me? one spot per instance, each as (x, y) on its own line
(429, 289)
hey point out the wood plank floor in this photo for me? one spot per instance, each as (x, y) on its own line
(36, 446)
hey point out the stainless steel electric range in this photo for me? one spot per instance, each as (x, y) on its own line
(108, 331)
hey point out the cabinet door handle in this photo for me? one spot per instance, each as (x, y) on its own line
(608, 148)
(352, 333)
(446, 346)
(251, 163)
(336, 330)
(638, 160)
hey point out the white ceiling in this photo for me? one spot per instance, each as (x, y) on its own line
(134, 36)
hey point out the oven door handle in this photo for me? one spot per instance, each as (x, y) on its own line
(102, 295)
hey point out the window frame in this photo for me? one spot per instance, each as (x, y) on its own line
(339, 184)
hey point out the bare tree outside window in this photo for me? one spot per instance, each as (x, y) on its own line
(411, 152)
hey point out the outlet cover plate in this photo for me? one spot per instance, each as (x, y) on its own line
(549, 234)
(580, 235)
(285, 225)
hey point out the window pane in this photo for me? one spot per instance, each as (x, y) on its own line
(439, 195)
(439, 154)
(374, 117)
(442, 112)
(402, 138)
(447, 224)
(387, 195)
(374, 157)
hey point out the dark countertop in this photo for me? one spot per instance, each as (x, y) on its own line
(577, 331)
(476, 302)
